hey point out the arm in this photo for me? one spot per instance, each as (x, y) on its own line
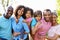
(16, 20)
(28, 23)
(16, 33)
(25, 21)
(26, 28)
(36, 27)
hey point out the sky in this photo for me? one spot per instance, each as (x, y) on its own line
(34, 4)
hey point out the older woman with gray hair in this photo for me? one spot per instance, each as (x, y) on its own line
(54, 31)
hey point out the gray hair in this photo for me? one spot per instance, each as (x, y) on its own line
(54, 12)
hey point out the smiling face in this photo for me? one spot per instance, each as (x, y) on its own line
(47, 16)
(38, 15)
(28, 14)
(9, 12)
(20, 11)
(38, 18)
(53, 18)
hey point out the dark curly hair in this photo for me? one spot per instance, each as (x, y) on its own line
(18, 8)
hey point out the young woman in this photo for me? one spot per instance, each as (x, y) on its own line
(20, 28)
(54, 31)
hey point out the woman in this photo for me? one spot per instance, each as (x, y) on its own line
(54, 31)
(20, 28)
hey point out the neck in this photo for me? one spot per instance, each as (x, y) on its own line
(54, 24)
(6, 16)
(18, 16)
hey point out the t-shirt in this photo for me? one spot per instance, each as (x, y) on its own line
(20, 27)
(33, 22)
(44, 27)
(54, 30)
(5, 28)
(29, 19)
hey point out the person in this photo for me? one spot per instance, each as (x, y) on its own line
(28, 16)
(28, 19)
(44, 26)
(20, 28)
(5, 25)
(35, 22)
(54, 31)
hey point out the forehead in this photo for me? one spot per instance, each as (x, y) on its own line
(28, 11)
(22, 9)
(10, 9)
(53, 15)
(47, 12)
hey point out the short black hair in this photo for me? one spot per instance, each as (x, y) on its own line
(47, 10)
(38, 13)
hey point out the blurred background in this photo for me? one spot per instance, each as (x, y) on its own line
(34, 4)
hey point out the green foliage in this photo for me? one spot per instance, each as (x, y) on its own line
(58, 10)
(58, 20)
(5, 3)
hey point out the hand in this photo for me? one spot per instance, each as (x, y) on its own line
(16, 33)
(38, 23)
(16, 20)
(24, 20)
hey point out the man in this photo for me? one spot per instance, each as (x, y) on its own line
(5, 25)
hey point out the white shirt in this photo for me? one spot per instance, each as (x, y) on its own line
(54, 30)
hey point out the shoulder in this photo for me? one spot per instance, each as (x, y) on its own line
(58, 27)
(1, 18)
(33, 22)
(21, 18)
(50, 30)
(12, 18)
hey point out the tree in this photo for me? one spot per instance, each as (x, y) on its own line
(58, 10)
(58, 7)
(5, 3)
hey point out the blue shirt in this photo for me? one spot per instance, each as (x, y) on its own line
(5, 28)
(33, 22)
(20, 27)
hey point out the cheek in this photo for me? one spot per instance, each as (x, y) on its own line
(18, 12)
(9, 15)
(27, 15)
(54, 19)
